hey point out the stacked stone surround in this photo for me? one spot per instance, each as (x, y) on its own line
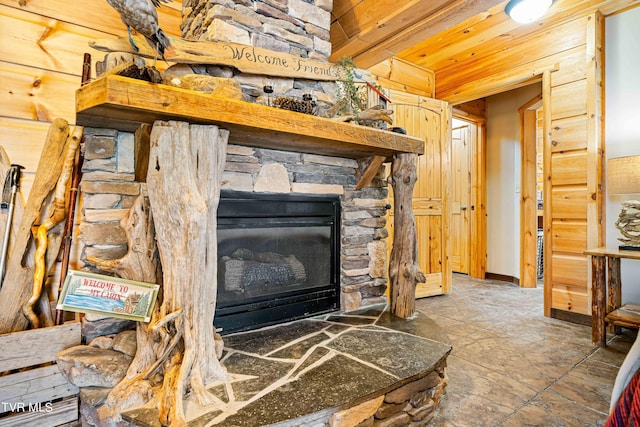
(296, 27)
(108, 190)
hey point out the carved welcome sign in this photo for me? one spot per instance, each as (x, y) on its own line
(113, 296)
(247, 59)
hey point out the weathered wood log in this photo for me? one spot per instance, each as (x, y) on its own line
(58, 211)
(404, 272)
(140, 263)
(19, 276)
(368, 115)
(217, 86)
(183, 182)
(598, 301)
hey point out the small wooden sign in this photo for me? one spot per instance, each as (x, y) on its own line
(248, 59)
(94, 293)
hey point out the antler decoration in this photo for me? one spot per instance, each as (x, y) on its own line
(57, 214)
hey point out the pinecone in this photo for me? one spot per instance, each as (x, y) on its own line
(293, 104)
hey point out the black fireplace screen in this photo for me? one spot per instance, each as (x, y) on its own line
(278, 258)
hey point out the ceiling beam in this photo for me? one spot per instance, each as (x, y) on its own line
(372, 31)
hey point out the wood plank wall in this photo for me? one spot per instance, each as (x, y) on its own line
(570, 53)
(42, 44)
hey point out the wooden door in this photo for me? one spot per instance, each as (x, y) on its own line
(431, 120)
(460, 199)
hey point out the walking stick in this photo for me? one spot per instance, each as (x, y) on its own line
(68, 226)
(76, 176)
(11, 184)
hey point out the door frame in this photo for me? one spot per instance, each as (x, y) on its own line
(478, 213)
(528, 194)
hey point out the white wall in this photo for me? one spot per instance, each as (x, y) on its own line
(503, 180)
(622, 124)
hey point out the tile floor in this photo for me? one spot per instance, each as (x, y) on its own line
(511, 366)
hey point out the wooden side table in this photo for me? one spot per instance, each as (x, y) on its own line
(606, 293)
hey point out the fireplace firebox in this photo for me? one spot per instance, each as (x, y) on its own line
(278, 258)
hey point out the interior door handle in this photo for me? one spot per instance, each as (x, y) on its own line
(463, 208)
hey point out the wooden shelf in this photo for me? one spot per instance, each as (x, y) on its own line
(628, 316)
(613, 253)
(124, 104)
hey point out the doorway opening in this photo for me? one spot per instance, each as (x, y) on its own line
(505, 177)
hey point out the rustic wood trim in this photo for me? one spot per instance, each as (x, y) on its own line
(595, 132)
(368, 168)
(464, 115)
(123, 103)
(28, 348)
(504, 81)
(445, 143)
(546, 190)
(528, 198)
(479, 199)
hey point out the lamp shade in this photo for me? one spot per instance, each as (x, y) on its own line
(526, 11)
(623, 175)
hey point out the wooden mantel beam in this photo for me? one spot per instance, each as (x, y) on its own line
(123, 103)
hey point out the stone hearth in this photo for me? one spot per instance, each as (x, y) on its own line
(335, 370)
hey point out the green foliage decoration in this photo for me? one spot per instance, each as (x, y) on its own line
(353, 97)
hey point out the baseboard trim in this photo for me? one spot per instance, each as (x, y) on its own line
(502, 278)
(568, 316)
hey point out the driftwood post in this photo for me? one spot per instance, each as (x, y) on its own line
(176, 352)
(185, 166)
(404, 272)
(140, 263)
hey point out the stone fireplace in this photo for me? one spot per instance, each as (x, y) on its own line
(357, 277)
(293, 27)
(301, 231)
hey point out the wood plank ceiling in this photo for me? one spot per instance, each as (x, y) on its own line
(443, 36)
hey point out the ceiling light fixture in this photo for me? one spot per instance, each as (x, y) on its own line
(526, 11)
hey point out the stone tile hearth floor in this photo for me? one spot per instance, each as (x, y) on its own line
(299, 373)
(511, 366)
